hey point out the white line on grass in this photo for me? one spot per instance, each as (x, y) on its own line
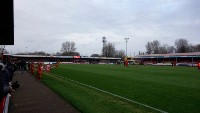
(108, 93)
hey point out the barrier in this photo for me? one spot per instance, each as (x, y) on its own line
(4, 104)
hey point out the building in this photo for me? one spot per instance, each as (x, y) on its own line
(64, 59)
(176, 58)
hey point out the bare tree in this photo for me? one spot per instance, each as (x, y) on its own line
(68, 47)
(153, 47)
(71, 54)
(148, 48)
(192, 48)
(165, 48)
(109, 50)
(95, 55)
(119, 53)
(162, 50)
(2, 49)
(58, 54)
(171, 49)
(156, 46)
(38, 53)
(198, 48)
(182, 45)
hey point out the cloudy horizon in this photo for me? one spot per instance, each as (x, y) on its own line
(43, 25)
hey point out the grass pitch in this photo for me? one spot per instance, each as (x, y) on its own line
(169, 89)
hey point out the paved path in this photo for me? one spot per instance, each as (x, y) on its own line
(34, 97)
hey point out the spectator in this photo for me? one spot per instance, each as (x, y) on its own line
(1, 85)
(29, 66)
(39, 72)
(32, 68)
(23, 65)
(18, 64)
(7, 74)
(6, 80)
(11, 68)
(48, 67)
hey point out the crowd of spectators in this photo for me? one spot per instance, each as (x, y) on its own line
(7, 68)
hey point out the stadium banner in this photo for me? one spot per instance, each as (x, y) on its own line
(77, 56)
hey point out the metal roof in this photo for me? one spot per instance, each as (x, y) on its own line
(77, 57)
(171, 55)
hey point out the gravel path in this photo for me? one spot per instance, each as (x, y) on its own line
(34, 97)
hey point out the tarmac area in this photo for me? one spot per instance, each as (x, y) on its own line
(34, 97)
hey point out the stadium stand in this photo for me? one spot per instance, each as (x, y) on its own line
(180, 59)
(64, 59)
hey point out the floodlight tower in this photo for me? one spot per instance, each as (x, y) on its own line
(126, 44)
(104, 44)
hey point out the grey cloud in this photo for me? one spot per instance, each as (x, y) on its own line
(52, 22)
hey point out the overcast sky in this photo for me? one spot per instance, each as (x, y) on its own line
(42, 25)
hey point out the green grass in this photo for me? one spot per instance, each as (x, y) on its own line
(175, 90)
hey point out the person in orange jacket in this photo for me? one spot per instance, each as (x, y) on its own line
(198, 65)
(32, 68)
(39, 72)
(48, 67)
